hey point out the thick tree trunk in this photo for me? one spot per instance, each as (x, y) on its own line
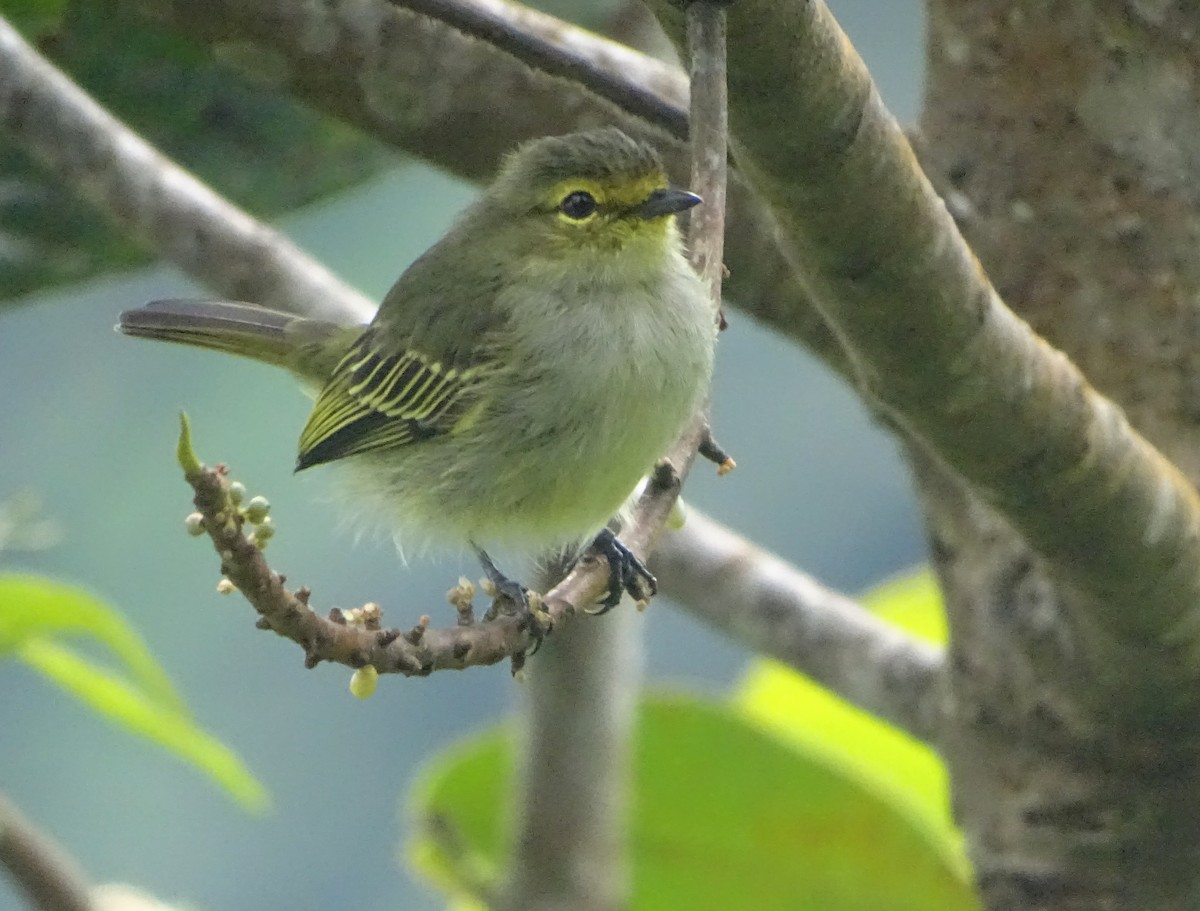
(1065, 137)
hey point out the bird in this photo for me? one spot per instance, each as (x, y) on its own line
(521, 376)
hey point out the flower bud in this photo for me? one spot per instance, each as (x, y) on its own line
(257, 509)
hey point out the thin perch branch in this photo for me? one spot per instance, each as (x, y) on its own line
(421, 649)
(709, 142)
(778, 611)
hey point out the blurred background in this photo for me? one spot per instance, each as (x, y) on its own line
(88, 423)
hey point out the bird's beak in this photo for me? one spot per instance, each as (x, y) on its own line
(666, 202)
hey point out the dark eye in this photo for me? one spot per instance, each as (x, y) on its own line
(578, 205)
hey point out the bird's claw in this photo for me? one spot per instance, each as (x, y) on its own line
(626, 573)
(518, 596)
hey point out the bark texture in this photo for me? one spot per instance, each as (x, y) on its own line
(1066, 139)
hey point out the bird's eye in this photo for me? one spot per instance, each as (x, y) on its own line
(578, 205)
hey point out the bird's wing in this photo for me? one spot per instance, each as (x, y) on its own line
(382, 400)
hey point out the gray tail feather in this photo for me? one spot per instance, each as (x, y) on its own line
(244, 329)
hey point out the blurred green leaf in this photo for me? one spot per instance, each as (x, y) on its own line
(903, 771)
(35, 608)
(129, 708)
(725, 816)
(36, 614)
(247, 139)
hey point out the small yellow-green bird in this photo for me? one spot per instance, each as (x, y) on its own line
(522, 376)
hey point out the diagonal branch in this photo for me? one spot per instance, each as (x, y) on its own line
(932, 342)
(776, 610)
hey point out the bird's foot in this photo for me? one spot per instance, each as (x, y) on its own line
(626, 573)
(518, 596)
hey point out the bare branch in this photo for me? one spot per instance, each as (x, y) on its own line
(417, 652)
(155, 200)
(421, 649)
(49, 878)
(778, 611)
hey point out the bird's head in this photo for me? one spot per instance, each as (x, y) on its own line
(590, 193)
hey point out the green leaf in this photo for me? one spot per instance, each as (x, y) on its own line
(36, 614)
(883, 759)
(129, 708)
(724, 816)
(36, 608)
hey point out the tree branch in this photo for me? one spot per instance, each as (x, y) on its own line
(778, 611)
(932, 342)
(419, 651)
(49, 878)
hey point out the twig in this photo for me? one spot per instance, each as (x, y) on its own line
(774, 609)
(154, 199)
(710, 146)
(50, 878)
(421, 649)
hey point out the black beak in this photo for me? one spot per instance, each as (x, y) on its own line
(666, 202)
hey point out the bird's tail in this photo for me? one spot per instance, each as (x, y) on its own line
(308, 347)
